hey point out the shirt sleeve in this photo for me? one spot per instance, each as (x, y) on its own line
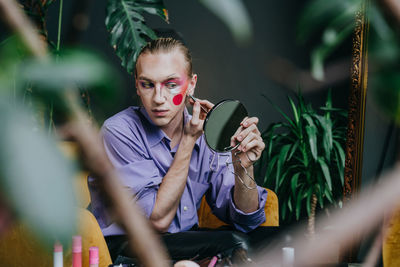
(138, 173)
(220, 199)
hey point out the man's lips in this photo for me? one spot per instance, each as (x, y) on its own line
(159, 112)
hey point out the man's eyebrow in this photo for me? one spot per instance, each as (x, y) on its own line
(145, 78)
(169, 77)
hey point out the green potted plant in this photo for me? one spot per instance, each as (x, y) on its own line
(304, 159)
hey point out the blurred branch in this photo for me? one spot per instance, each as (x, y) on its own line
(142, 238)
(17, 20)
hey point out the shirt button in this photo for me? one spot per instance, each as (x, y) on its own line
(185, 208)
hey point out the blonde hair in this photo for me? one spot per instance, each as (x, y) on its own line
(167, 45)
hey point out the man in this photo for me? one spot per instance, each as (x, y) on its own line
(165, 163)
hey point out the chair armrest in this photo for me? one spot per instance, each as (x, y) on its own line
(208, 220)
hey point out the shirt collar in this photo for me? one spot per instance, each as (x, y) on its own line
(155, 135)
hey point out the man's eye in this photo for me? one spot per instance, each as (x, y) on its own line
(146, 85)
(171, 85)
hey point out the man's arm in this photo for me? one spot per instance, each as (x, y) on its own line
(173, 184)
(251, 147)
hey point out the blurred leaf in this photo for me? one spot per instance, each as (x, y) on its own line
(312, 140)
(72, 69)
(280, 111)
(35, 177)
(268, 173)
(128, 32)
(12, 52)
(293, 150)
(319, 55)
(308, 200)
(235, 16)
(325, 171)
(289, 203)
(386, 89)
(341, 160)
(294, 109)
(319, 13)
(327, 139)
(320, 194)
(280, 162)
(294, 181)
(298, 203)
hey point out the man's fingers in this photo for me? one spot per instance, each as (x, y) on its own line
(250, 137)
(249, 121)
(244, 133)
(207, 104)
(234, 136)
(196, 114)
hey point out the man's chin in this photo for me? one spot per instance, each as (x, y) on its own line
(160, 121)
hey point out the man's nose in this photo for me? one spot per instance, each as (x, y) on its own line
(159, 95)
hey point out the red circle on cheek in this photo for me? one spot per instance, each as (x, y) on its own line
(177, 99)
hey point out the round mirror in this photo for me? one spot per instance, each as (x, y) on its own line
(221, 123)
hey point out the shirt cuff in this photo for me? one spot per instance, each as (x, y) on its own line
(246, 222)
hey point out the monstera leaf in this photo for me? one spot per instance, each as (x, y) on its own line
(127, 28)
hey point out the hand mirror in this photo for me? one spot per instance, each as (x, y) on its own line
(221, 124)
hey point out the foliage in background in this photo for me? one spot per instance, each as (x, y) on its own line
(35, 177)
(128, 31)
(235, 16)
(304, 156)
(334, 21)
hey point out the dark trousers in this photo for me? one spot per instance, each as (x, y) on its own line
(200, 243)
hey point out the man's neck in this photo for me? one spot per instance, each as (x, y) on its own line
(174, 129)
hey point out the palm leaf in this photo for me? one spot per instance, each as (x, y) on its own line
(312, 140)
(280, 111)
(127, 28)
(299, 199)
(280, 163)
(294, 182)
(325, 171)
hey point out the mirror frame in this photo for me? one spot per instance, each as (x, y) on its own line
(356, 114)
(357, 105)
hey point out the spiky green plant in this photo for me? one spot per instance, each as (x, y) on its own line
(304, 158)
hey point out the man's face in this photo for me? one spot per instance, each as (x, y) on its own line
(162, 84)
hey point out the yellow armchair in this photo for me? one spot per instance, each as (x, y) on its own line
(208, 220)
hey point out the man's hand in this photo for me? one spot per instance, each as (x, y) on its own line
(194, 127)
(251, 143)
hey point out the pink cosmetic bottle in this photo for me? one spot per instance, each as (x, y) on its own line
(77, 251)
(58, 255)
(93, 257)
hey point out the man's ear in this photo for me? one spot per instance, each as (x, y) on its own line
(192, 84)
(136, 86)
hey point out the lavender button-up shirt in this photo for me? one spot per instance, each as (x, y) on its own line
(141, 153)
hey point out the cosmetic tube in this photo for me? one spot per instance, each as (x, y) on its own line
(58, 255)
(77, 251)
(93, 257)
(287, 257)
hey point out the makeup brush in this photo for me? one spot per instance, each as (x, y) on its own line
(195, 100)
